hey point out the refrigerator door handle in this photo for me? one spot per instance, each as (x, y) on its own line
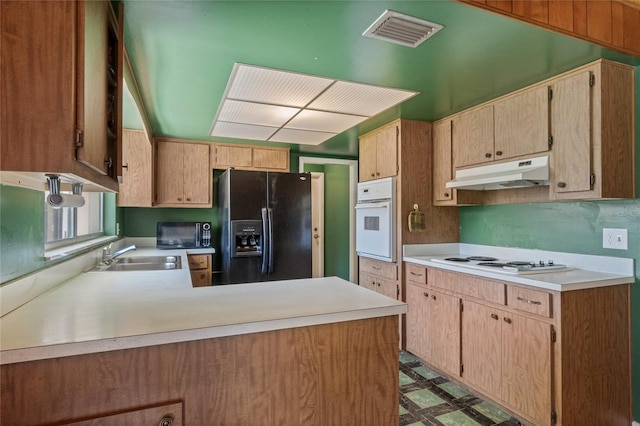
(266, 241)
(270, 240)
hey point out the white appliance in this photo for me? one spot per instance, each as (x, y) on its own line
(512, 174)
(376, 219)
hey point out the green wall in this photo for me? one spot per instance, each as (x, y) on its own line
(574, 227)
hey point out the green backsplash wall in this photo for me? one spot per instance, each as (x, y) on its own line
(21, 231)
(574, 227)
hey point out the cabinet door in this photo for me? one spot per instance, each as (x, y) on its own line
(472, 138)
(571, 129)
(232, 156)
(197, 174)
(387, 152)
(417, 321)
(445, 332)
(136, 186)
(442, 166)
(367, 158)
(387, 287)
(526, 370)
(271, 159)
(169, 173)
(93, 40)
(482, 347)
(522, 123)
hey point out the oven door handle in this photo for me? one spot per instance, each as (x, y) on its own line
(383, 204)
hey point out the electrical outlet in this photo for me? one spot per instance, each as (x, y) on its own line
(117, 229)
(614, 239)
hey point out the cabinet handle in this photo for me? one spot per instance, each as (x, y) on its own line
(125, 166)
(498, 152)
(378, 284)
(487, 155)
(507, 320)
(415, 275)
(373, 175)
(188, 199)
(562, 184)
(377, 173)
(494, 316)
(446, 194)
(425, 294)
(533, 302)
(433, 296)
(179, 199)
(377, 268)
(166, 421)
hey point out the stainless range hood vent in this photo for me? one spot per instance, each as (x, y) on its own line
(401, 29)
(513, 174)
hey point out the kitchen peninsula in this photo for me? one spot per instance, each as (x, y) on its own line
(135, 347)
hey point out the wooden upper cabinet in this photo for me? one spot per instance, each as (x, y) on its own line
(614, 24)
(232, 156)
(61, 106)
(248, 157)
(592, 116)
(472, 138)
(272, 159)
(571, 118)
(379, 153)
(183, 174)
(136, 189)
(522, 123)
(442, 165)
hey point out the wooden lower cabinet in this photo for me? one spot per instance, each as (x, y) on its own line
(433, 327)
(508, 356)
(342, 373)
(548, 357)
(200, 269)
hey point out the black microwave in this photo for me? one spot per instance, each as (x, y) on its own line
(179, 235)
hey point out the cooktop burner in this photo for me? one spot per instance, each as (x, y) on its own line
(504, 266)
(482, 258)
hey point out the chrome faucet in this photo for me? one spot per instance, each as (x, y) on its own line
(109, 258)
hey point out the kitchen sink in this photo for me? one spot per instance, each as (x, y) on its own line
(141, 263)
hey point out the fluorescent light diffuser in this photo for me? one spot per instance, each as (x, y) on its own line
(280, 106)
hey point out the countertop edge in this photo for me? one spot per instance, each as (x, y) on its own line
(131, 342)
(601, 280)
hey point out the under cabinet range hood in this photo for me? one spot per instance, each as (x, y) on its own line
(513, 174)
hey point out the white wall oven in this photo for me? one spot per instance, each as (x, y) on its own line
(375, 219)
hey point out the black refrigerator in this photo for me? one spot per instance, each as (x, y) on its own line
(265, 221)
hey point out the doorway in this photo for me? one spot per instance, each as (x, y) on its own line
(340, 227)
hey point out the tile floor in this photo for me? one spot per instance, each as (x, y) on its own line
(429, 399)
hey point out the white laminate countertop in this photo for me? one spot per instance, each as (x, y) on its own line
(587, 271)
(103, 311)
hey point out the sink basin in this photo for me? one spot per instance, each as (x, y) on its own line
(142, 263)
(147, 259)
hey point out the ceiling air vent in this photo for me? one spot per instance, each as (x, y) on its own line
(401, 29)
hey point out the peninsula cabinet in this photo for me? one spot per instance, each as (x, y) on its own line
(379, 153)
(200, 269)
(549, 357)
(136, 189)
(248, 157)
(61, 105)
(380, 276)
(592, 118)
(183, 174)
(342, 373)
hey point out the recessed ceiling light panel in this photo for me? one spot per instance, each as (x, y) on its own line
(360, 99)
(402, 29)
(324, 121)
(253, 113)
(242, 131)
(303, 137)
(280, 106)
(271, 86)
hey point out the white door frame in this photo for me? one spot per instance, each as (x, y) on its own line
(353, 191)
(317, 219)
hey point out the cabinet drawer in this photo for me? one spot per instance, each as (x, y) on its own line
(199, 261)
(416, 273)
(479, 288)
(529, 300)
(379, 268)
